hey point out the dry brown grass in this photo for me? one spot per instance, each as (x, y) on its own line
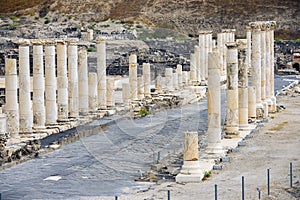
(278, 126)
(15, 5)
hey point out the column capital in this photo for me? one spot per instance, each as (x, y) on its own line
(24, 42)
(255, 26)
(248, 28)
(231, 45)
(272, 25)
(49, 42)
(61, 42)
(100, 40)
(37, 42)
(72, 41)
(263, 26)
(83, 45)
(241, 43)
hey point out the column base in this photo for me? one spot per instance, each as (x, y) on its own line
(215, 150)
(265, 108)
(259, 111)
(244, 127)
(190, 173)
(273, 104)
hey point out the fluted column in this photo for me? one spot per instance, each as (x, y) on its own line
(73, 78)
(83, 84)
(11, 97)
(273, 98)
(133, 77)
(62, 81)
(25, 104)
(93, 91)
(214, 106)
(232, 103)
(101, 72)
(50, 83)
(256, 66)
(243, 84)
(147, 79)
(38, 99)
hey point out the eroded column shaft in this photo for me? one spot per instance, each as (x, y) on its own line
(147, 79)
(93, 91)
(101, 72)
(83, 84)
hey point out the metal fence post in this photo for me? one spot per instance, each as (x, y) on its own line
(216, 192)
(291, 175)
(268, 182)
(116, 198)
(243, 190)
(169, 195)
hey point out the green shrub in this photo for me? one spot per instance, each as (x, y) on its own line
(91, 49)
(143, 112)
(47, 21)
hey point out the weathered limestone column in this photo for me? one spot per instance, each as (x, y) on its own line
(193, 71)
(25, 105)
(202, 45)
(190, 171)
(133, 77)
(232, 96)
(101, 72)
(38, 99)
(268, 67)
(11, 97)
(179, 73)
(175, 81)
(73, 78)
(93, 91)
(185, 78)
(110, 92)
(197, 54)
(83, 84)
(125, 93)
(50, 83)
(147, 79)
(251, 103)
(208, 49)
(224, 39)
(220, 51)
(62, 81)
(158, 84)
(243, 84)
(273, 98)
(263, 68)
(169, 79)
(249, 44)
(214, 106)
(256, 66)
(140, 87)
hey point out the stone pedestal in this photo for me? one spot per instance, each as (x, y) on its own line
(25, 105)
(190, 171)
(50, 83)
(179, 74)
(232, 103)
(251, 103)
(126, 93)
(147, 79)
(214, 106)
(83, 84)
(193, 71)
(158, 84)
(169, 79)
(243, 84)
(110, 92)
(62, 81)
(39, 112)
(93, 91)
(101, 72)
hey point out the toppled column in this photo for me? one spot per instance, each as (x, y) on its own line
(147, 79)
(232, 97)
(62, 81)
(175, 80)
(50, 83)
(263, 68)
(110, 92)
(179, 74)
(73, 78)
(133, 77)
(101, 72)
(93, 91)
(190, 171)
(273, 98)
(11, 97)
(193, 71)
(214, 106)
(169, 79)
(140, 83)
(256, 66)
(125, 93)
(83, 84)
(158, 84)
(25, 105)
(243, 84)
(38, 99)
(197, 54)
(251, 103)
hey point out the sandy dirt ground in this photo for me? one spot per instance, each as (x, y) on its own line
(275, 145)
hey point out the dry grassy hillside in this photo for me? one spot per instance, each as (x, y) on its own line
(186, 16)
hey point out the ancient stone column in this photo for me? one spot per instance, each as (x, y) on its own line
(25, 105)
(147, 79)
(249, 44)
(83, 84)
(11, 97)
(185, 78)
(193, 71)
(73, 78)
(232, 103)
(38, 99)
(220, 51)
(133, 77)
(50, 83)
(179, 73)
(273, 98)
(214, 106)
(125, 93)
(208, 49)
(263, 67)
(268, 66)
(255, 79)
(243, 84)
(197, 54)
(158, 84)
(251, 103)
(110, 92)
(140, 83)
(101, 72)
(224, 54)
(62, 81)
(190, 171)
(175, 81)
(93, 91)
(202, 45)
(169, 79)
